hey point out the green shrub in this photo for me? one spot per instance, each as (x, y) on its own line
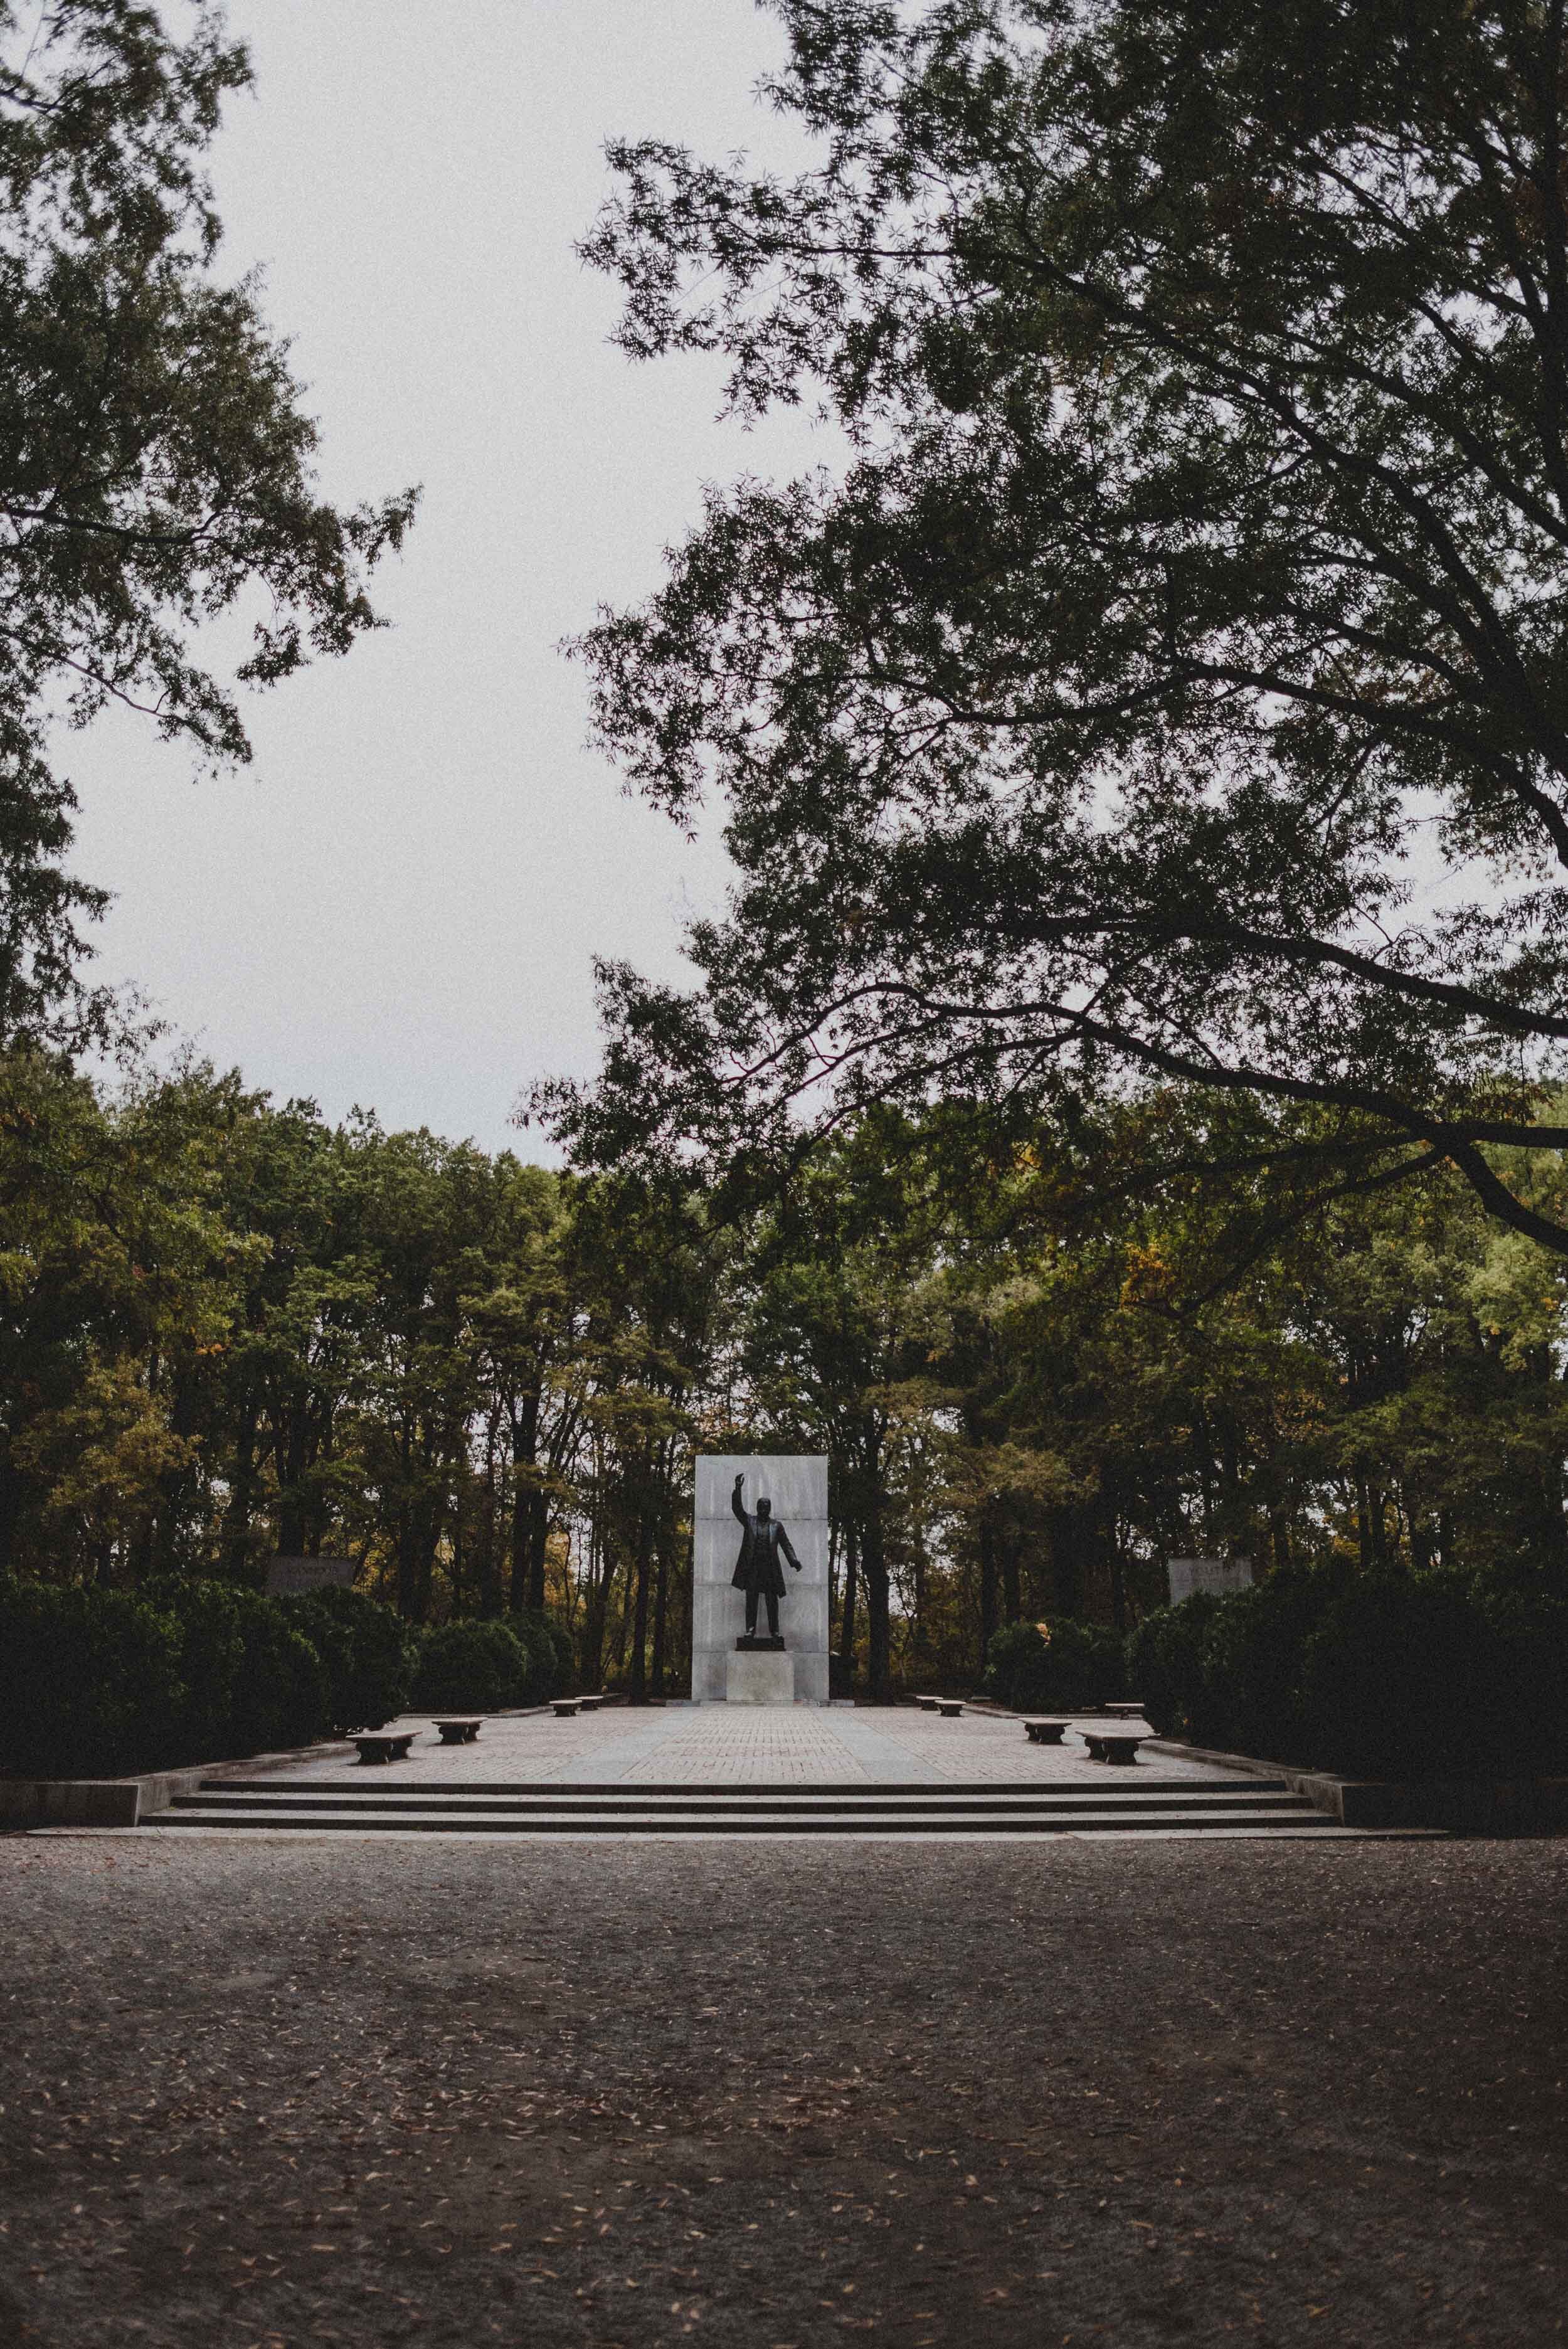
(282, 1697)
(1250, 1699)
(1165, 1664)
(1426, 1676)
(542, 1641)
(1079, 1664)
(89, 1682)
(470, 1665)
(252, 1681)
(1086, 1664)
(565, 1658)
(365, 1650)
(1377, 1675)
(1016, 1667)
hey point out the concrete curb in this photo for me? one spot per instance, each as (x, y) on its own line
(1464, 1806)
(121, 1802)
(125, 1802)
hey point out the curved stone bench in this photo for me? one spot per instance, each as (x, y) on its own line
(386, 1749)
(1112, 1745)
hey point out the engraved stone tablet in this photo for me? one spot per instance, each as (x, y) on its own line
(1220, 1575)
(291, 1573)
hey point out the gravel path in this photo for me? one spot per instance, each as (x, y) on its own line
(289, 2091)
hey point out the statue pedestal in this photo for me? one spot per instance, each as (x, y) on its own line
(759, 1676)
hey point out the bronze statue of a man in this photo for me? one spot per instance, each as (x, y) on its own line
(757, 1570)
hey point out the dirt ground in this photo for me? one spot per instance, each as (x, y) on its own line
(282, 2089)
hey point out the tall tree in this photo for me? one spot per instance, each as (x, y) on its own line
(155, 456)
(1173, 678)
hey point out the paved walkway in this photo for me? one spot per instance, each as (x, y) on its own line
(747, 1745)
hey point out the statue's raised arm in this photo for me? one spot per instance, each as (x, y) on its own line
(735, 1496)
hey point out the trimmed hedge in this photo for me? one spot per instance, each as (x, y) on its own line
(1165, 1664)
(1385, 1675)
(1388, 1675)
(90, 1684)
(365, 1650)
(470, 1666)
(104, 1682)
(1432, 1678)
(1081, 1663)
(550, 1662)
(252, 1682)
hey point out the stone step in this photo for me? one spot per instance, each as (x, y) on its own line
(1113, 1781)
(1116, 1818)
(806, 1802)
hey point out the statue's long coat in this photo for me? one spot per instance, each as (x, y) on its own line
(758, 1567)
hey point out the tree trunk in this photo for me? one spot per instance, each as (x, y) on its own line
(1067, 1576)
(639, 1687)
(1379, 1525)
(661, 1609)
(538, 1542)
(429, 1537)
(489, 1594)
(1012, 1595)
(524, 1455)
(289, 1455)
(847, 1621)
(593, 1614)
(874, 1559)
(407, 1564)
(987, 1579)
(237, 1516)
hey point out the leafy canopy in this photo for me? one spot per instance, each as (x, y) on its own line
(1175, 675)
(155, 459)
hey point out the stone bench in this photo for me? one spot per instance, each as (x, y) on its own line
(592, 1703)
(457, 1733)
(1130, 1711)
(1045, 1733)
(386, 1749)
(949, 1707)
(565, 1707)
(926, 1703)
(1112, 1745)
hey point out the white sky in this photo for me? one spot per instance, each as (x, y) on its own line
(397, 905)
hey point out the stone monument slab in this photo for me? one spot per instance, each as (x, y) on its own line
(288, 1575)
(1220, 1575)
(795, 1486)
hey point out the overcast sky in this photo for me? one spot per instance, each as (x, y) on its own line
(397, 905)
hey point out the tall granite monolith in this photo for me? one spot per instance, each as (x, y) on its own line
(795, 1486)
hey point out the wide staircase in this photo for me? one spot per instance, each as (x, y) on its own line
(1131, 1802)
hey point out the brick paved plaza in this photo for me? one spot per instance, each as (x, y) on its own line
(745, 1745)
